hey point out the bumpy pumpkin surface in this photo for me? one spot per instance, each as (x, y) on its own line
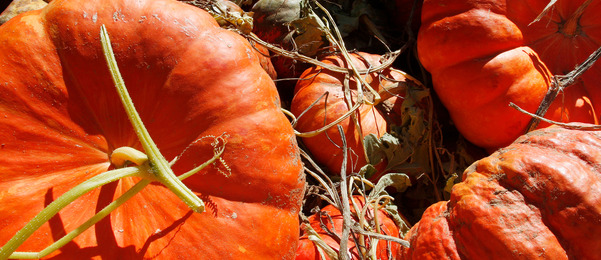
(539, 198)
(315, 82)
(485, 54)
(60, 119)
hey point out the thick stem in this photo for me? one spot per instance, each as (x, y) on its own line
(571, 27)
(344, 203)
(106, 211)
(160, 166)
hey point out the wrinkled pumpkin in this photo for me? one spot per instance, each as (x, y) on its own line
(331, 219)
(61, 118)
(485, 54)
(326, 89)
(539, 198)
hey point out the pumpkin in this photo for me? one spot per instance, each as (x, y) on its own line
(331, 218)
(61, 119)
(485, 54)
(326, 89)
(230, 15)
(538, 198)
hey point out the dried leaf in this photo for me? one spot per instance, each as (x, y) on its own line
(406, 147)
(450, 182)
(309, 36)
(399, 181)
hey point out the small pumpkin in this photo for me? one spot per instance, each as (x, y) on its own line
(485, 54)
(331, 219)
(538, 198)
(61, 119)
(320, 98)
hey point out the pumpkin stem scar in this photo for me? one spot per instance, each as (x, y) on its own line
(122, 155)
(160, 166)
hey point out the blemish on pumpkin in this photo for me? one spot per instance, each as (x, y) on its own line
(118, 15)
(241, 249)
(33, 23)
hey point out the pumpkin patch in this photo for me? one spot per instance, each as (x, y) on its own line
(290, 129)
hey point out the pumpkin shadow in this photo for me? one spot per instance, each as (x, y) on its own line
(108, 247)
(57, 227)
(175, 226)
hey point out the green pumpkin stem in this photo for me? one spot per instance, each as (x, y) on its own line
(155, 169)
(101, 214)
(64, 200)
(161, 168)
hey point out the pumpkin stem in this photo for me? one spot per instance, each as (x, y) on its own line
(150, 168)
(571, 27)
(161, 168)
(122, 155)
(219, 147)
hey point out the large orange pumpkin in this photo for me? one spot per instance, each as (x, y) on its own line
(485, 54)
(539, 198)
(61, 118)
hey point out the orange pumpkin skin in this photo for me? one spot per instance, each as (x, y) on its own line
(313, 83)
(539, 198)
(307, 250)
(484, 54)
(60, 118)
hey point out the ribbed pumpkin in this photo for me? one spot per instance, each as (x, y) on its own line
(485, 54)
(315, 82)
(539, 198)
(61, 118)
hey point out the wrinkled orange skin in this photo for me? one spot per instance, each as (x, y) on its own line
(326, 147)
(307, 250)
(539, 198)
(60, 118)
(484, 54)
